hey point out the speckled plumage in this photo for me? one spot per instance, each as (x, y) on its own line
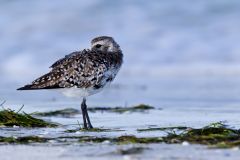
(83, 73)
(89, 69)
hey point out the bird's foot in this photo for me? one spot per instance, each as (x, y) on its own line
(87, 125)
(90, 126)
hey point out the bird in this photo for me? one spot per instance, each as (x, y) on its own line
(83, 73)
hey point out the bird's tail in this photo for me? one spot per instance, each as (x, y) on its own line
(26, 87)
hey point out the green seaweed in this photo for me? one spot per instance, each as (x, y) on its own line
(142, 107)
(131, 150)
(90, 139)
(133, 139)
(11, 118)
(23, 140)
(126, 139)
(216, 135)
(67, 112)
(213, 135)
(138, 108)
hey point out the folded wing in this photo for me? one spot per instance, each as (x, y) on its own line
(79, 69)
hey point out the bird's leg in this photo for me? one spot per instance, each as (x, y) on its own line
(86, 114)
(83, 106)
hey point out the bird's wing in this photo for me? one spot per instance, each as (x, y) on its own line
(82, 69)
(66, 58)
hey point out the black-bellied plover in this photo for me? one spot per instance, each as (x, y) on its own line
(83, 73)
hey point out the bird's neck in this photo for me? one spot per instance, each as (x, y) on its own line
(117, 57)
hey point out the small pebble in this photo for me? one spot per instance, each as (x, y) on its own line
(106, 142)
(235, 148)
(14, 126)
(185, 143)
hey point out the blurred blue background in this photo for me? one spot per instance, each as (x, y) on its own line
(176, 53)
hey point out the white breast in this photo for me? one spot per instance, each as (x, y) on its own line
(79, 92)
(85, 92)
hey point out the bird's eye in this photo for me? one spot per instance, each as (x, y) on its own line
(98, 45)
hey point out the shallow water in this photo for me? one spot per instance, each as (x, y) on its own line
(103, 151)
(128, 123)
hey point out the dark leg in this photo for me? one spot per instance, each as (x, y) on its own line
(86, 114)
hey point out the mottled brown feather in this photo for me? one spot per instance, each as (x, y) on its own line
(81, 69)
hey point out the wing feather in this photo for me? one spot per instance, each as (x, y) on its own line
(81, 69)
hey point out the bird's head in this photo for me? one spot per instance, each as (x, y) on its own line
(104, 44)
